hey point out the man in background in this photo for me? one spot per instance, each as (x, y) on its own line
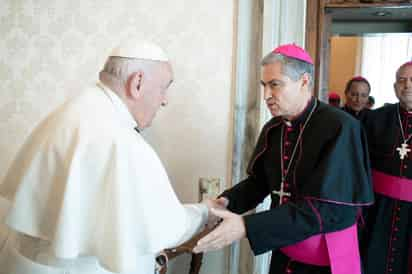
(357, 92)
(334, 99)
(387, 243)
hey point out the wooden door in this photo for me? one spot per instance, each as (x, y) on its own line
(318, 33)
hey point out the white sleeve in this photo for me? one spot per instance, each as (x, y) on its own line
(196, 219)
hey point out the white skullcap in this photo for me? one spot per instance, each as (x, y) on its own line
(140, 49)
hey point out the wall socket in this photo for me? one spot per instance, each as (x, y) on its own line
(209, 187)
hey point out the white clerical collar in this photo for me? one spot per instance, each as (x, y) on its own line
(120, 107)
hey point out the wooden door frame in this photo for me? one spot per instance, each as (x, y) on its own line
(318, 35)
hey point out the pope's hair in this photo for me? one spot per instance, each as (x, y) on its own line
(291, 67)
(121, 68)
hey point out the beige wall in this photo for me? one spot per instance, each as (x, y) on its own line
(50, 50)
(344, 62)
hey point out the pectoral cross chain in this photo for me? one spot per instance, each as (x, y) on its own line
(404, 149)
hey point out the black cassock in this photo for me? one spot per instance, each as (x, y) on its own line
(387, 239)
(358, 115)
(328, 180)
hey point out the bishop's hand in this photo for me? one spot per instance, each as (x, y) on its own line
(231, 229)
(220, 203)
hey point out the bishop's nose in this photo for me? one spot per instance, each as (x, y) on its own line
(267, 93)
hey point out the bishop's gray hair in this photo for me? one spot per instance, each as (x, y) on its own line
(291, 67)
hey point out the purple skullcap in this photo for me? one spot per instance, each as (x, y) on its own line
(334, 95)
(293, 51)
(358, 78)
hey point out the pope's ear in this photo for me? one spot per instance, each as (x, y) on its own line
(134, 84)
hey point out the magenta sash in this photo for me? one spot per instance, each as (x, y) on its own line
(338, 249)
(392, 186)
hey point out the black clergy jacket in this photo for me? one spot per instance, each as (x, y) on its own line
(328, 180)
(386, 239)
(358, 115)
(384, 137)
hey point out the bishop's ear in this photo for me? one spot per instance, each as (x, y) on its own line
(134, 84)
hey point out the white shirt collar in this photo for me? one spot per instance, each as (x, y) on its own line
(121, 108)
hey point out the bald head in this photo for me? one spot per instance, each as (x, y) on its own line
(402, 67)
(403, 85)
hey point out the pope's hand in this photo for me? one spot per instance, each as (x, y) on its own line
(231, 229)
(220, 203)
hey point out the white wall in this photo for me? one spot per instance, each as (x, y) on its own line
(49, 50)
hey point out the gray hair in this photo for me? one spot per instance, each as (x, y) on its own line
(121, 67)
(291, 67)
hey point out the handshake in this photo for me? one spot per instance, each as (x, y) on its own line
(227, 226)
(222, 228)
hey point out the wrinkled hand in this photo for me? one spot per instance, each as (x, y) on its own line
(231, 229)
(220, 203)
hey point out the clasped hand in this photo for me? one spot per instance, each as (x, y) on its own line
(230, 227)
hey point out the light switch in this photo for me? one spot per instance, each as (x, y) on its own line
(209, 187)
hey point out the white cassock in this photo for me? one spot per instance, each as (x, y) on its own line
(88, 195)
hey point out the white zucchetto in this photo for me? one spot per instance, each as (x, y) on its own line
(140, 49)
